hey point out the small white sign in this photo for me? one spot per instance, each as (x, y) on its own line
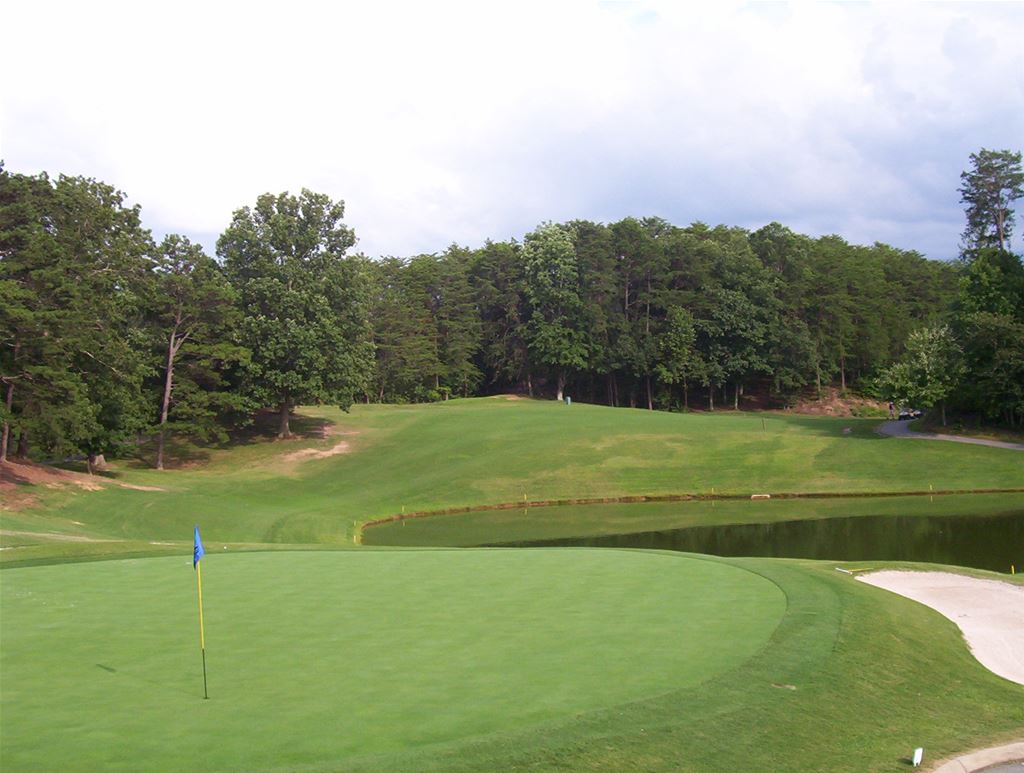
(918, 756)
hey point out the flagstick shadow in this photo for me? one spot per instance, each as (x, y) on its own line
(179, 689)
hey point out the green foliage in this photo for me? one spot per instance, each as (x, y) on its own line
(989, 189)
(427, 331)
(993, 282)
(304, 304)
(678, 357)
(555, 332)
(498, 277)
(75, 265)
(607, 306)
(994, 346)
(929, 371)
(193, 316)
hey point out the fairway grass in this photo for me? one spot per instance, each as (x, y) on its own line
(486, 451)
(322, 656)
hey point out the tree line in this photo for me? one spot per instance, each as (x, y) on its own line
(109, 339)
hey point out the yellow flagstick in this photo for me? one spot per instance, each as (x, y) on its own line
(202, 633)
(197, 553)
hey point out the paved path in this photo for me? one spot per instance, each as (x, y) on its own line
(984, 759)
(901, 429)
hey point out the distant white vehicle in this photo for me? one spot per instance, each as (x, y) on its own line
(906, 414)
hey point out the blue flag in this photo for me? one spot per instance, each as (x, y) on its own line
(197, 549)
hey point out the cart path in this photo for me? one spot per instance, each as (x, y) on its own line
(902, 430)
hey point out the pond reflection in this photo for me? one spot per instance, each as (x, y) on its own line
(983, 542)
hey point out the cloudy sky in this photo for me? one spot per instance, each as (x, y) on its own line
(441, 122)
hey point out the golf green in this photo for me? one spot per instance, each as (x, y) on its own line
(316, 657)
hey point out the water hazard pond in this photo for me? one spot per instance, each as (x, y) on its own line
(983, 531)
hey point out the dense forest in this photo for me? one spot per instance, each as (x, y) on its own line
(111, 342)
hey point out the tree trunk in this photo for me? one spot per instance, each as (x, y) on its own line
(943, 406)
(283, 430)
(561, 384)
(6, 435)
(711, 397)
(842, 372)
(611, 390)
(165, 403)
(686, 395)
(650, 397)
(736, 397)
(529, 384)
(23, 444)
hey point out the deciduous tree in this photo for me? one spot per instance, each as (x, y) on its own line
(192, 311)
(555, 331)
(304, 303)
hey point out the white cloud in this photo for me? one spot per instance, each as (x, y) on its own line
(441, 122)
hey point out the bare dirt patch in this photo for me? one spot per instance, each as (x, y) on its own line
(305, 454)
(13, 474)
(52, 536)
(834, 403)
(989, 613)
(17, 476)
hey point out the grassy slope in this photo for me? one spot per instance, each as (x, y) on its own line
(483, 451)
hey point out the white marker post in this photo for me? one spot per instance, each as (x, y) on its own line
(918, 756)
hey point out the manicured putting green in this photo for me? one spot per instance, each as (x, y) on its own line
(318, 657)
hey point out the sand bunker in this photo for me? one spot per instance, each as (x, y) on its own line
(988, 612)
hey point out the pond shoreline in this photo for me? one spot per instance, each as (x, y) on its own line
(638, 499)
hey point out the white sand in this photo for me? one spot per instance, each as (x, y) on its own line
(989, 613)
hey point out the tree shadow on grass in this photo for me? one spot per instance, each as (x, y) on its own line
(265, 425)
(828, 426)
(183, 452)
